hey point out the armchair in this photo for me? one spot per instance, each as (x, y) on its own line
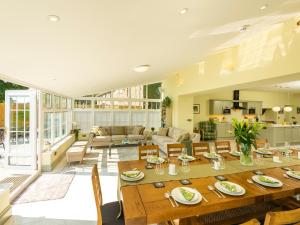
(208, 130)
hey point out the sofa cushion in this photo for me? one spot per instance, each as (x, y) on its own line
(105, 130)
(129, 129)
(171, 131)
(102, 139)
(183, 137)
(177, 132)
(142, 130)
(162, 131)
(118, 137)
(137, 130)
(118, 130)
(157, 139)
(135, 137)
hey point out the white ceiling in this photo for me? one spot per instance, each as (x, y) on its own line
(293, 86)
(96, 44)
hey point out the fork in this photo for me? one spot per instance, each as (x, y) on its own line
(213, 190)
(173, 199)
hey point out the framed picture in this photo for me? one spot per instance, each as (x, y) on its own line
(196, 108)
(298, 110)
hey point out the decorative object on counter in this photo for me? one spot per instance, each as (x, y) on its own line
(196, 108)
(245, 134)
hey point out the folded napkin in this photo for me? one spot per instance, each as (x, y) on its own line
(297, 173)
(267, 180)
(131, 174)
(228, 186)
(187, 194)
(188, 157)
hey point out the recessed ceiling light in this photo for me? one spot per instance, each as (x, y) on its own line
(53, 18)
(141, 68)
(263, 7)
(184, 11)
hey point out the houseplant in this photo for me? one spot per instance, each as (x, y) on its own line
(167, 101)
(245, 134)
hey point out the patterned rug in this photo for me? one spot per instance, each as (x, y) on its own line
(48, 186)
(15, 180)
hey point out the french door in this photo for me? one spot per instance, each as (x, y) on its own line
(21, 125)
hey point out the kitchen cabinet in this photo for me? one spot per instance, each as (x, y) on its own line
(278, 135)
(257, 105)
(216, 106)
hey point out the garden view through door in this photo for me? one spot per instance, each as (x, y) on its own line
(21, 124)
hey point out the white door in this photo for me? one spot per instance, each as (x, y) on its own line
(21, 124)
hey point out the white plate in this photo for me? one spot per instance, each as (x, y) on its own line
(190, 158)
(264, 152)
(154, 160)
(210, 156)
(291, 174)
(235, 153)
(139, 177)
(256, 179)
(176, 194)
(240, 189)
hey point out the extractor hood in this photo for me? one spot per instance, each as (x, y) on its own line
(236, 99)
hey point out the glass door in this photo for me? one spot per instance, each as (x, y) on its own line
(21, 124)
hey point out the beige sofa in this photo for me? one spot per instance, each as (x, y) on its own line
(116, 134)
(174, 135)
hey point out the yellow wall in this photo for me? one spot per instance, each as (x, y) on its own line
(272, 54)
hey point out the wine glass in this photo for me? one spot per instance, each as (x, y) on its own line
(185, 167)
(159, 170)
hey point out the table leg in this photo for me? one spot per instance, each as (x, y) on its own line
(119, 200)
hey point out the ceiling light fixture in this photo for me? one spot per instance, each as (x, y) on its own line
(184, 11)
(141, 68)
(276, 109)
(53, 18)
(263, 7)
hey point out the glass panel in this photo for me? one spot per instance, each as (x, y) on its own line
(20, 121)
(102, 104)
(154, 91)
(105, 95)
(27, 119)
(137, 92)
(12, 139)
(83, 104)
(56, 125)
(20, 102)
(57, 102)
(69, 103)
(63, 103)
(13, 103)
(121, 105)
(121, 93)
(13, 120)
(138, 105)
(20, 139)
(27, 103)
(27, 135)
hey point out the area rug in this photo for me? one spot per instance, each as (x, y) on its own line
(49, 186)
(15, 180)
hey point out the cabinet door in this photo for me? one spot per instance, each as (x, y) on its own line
(279, 135)
(288, 134)
(296, 135)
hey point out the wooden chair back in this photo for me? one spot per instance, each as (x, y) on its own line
(222, 146)
(174, 150)
(97, 193)
(143, 149)
(283, 217)
(251, 222)
(200, 147)
(261, 142)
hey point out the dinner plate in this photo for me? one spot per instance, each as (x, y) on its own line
(176, 194)
(155, 160)
(292, 174)
(240, 189)
(210, 155)
(256, 179)
(188, 157)
(285, 150)
(235, 153)
(139, 177)
(263, 152)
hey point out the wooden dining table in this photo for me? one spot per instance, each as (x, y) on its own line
(144, 204)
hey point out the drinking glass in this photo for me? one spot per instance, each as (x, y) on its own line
(159, 169)
(218, 163)
(258, 159)
(184, 151)
(185, 167)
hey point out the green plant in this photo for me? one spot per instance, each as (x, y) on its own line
(8, 86)
(245, 134)
(76, 132)
(167, 101)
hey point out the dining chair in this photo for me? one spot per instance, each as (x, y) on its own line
(222, 146)
(144, 149)
(251, 222)
(283, 217)
(106, 214)
(200, 147)
(2, 136)
(194, 221)
(261, 142)
(174, 150)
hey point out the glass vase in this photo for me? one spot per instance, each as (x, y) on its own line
(246, 157)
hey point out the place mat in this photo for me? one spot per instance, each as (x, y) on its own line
(205, 170)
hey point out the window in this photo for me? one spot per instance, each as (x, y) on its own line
(153, 91)
(69, 103)
(47, 127)
(56, 102)
(121, 93)
(63, 103)
(137, 92)
(83, 104)
(47, 100)
(102, 104)
(138, 105)
(153, 105)
(121, 105)
(63, 123)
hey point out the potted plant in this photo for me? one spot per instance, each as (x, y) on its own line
(245, 134)
(167, 102)
(76, 132)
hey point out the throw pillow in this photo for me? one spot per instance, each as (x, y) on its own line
(183, 137)
(162, 131)
(118, 130)
(102, 131)
(142, 131)
(136, 130)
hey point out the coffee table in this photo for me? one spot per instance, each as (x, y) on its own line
(124, 144)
